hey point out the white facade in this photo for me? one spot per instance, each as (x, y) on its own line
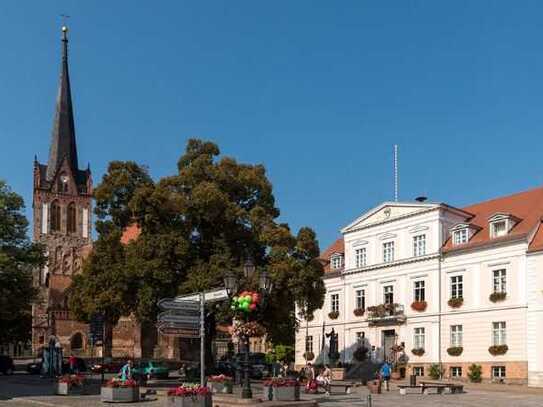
(398, 249)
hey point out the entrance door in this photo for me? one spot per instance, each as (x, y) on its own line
(387, 340)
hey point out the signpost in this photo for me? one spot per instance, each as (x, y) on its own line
(180, 318)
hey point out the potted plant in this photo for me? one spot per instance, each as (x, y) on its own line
(359, 312)
(497, 296)
(417, 351)
(120, 391)
(496, 350)
(436, 371)
(455, 302)
(70, 384)
(475, 373)
(281, 389)
(189, 396)
(220, 384)
(374, 386)
(333, 315)
(309, 355)
(419, 306)
(455, 350)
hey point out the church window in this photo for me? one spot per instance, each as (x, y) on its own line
(70, 220)
(55, 216)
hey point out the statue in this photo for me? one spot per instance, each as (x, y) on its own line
(333, 353)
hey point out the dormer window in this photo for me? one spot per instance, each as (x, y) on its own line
(499, 229)
(336, 261)
(500, 224)
(460, 236)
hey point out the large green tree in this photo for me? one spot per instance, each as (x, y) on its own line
(18, 258)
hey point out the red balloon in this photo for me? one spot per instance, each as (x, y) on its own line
(252, 306)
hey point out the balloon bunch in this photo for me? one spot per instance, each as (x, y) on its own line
(247, 301)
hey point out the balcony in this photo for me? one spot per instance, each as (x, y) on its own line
(386, 314)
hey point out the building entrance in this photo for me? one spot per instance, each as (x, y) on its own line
(388, 339)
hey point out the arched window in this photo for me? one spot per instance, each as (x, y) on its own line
(55, 216)
(76, 343)
(70, 220)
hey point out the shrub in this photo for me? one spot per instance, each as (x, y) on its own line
(417, 351)
(495, 297)
(419, 305)
(455, 302)
(435, 371)
(455, 350)
(498, 349)
(359, 312)
(333, 315)
(475, 373)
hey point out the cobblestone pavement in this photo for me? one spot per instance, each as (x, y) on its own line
(26, 391)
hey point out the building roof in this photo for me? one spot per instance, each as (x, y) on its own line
(337, 247)
(63, 144)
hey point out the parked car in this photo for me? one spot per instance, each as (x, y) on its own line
(150, 369)
(34, 367)
(107, 367)
(6, 365)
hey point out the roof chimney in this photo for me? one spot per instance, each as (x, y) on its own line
(421, 198)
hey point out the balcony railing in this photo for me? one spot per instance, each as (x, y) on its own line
(386, 314)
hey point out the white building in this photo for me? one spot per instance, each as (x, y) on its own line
(461, 284)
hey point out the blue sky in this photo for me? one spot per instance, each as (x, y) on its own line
(317, 91)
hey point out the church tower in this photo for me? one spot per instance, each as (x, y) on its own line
(62, 208)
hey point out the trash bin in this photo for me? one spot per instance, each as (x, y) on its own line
(412, 380)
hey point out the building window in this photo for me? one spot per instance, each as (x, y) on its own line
(360, 337)
(309, 343)
(456, 335)
(334, 303)
(418, 338)
(457, 287)
(498, 333)
(360, 299)
(499, 281)
(499, 229)
(55, 216)
(388, 294)
(70, 219)
(337, 262)
(76, 343)
(360, 257)
(460, 236)
(456, 371)
(498, 373)
(418, 370)
(388, 252)
(420, 294)
(419, 245)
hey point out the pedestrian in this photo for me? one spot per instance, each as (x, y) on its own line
(72, 363)
(309, 373)
(385, 374)
(126, 371)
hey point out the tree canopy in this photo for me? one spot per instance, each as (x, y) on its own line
(196, 225)
(18, 258)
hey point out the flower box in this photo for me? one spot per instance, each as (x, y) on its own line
(333, 315)
(419, 306)
(65, 389)
(220, 384)
(496, 350)
(455, 350)
(417, 351)
(455, 302)
(119, 394)
(279, 389)
(189, 401)
(498, 296)
(359, 312)
(309, 355)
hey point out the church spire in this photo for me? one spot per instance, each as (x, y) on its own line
(63, 145)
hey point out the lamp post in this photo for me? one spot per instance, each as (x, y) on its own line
(265, 287)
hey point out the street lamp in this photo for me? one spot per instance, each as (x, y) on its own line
(230, 283)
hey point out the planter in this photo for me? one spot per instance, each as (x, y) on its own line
(195, 401)
(333, 315)
(498, 350)
(309, 355)
(359, 312)
(281, 393)
(417, 351)
(216, 387)
(455, 350)
(495, 297)
(120, 394)
(66, 389)
(419, 306)
(395, 376)
(455, 302)
(374, 386)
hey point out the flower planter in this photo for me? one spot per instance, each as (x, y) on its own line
(374, 386)
(216, 387)
(455, 350)
(419, 306)
(281, 393)
(309, 355)
(65, 389)
(498, 350)
(120, 394)
(499, 296)
(455, 302)
(333, 315)
(359, 312)
(395, 376)
(417, 351)
(189, 401)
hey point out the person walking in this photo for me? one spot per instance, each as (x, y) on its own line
(72, 363)
(385, 374)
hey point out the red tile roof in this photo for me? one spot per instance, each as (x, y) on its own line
(336, 247)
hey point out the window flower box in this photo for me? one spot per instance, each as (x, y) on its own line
(359, 312)
(417, 351)
(497, 296)
(333, 315)
(119, 391)
(220, 384)
(496, 350)
(189, 396)
(455, 350)
(455, 302)
(419, 306)
(279, 389)
(309, 355)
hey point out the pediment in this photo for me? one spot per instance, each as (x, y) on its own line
(386, 212)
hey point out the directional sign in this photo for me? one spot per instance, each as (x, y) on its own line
(170, 304)
(184, 319)
(180, 332)
(209, 296)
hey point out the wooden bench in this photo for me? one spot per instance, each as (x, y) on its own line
(425, 386)
(346, 387)
(452, 387)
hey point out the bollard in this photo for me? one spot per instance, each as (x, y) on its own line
(370, 402)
